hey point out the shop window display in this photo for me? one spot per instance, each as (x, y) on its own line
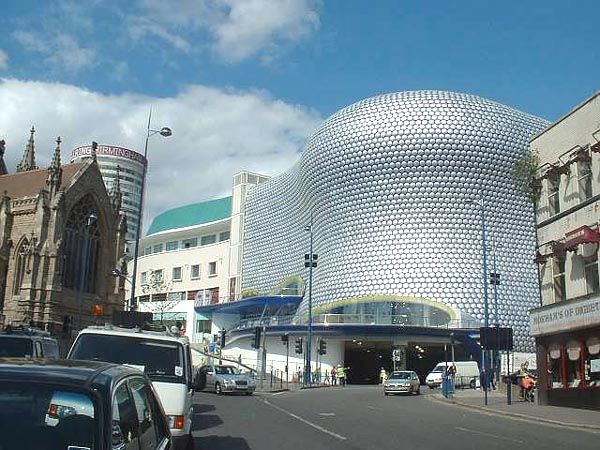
(592, 362)
(554, 363)
(573, 351)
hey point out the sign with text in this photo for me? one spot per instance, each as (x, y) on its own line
(565, 316)
(110, 150)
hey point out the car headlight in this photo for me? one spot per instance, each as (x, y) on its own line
(176, 422)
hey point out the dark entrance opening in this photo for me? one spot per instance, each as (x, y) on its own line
(423, 357)
(365, 359)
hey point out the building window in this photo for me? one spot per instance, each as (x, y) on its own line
(212, 269)
(144, 298)
(159, 297)
(554, 195)
(207, 240)
(157, 248)
(584, 171)
(574, 377)
(144, 278)
(191, 295)
(554, 360)
(195, 271)
(148, 251)
(224, 236)
(592, 282)
(177, 273)
(20, 264)
(592, 362)
(157, 276)
(214, 295)
(172, 245)
(203, 326)
(189, 243)
(558, 274)
(176, 296)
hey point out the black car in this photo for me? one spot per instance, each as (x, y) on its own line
(83, 405)
(27, 342)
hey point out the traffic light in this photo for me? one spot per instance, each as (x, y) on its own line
(299, 345)
(285, 338)
(223, 332)
(322, 347)
(257, 335)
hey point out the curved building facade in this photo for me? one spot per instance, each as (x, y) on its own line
(131, 176)
(390, 183)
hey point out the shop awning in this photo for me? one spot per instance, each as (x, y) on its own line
(581, 235)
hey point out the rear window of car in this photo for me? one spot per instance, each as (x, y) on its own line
(37, 416)
(160, 360)
(15, 347)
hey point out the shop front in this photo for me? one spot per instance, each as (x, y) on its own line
(567, 338)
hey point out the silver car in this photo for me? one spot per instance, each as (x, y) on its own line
(402, 381)
(223, 378)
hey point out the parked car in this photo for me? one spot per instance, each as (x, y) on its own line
(164, 358)
(402, 382)
(59, 404)
(223, 378)
(29, 342)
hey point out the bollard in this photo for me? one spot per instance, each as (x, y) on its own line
(271, 377)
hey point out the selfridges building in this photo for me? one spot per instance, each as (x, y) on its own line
(395, 185)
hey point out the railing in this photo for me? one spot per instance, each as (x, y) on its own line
(357, 319)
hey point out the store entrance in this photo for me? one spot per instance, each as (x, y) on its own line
(365, 360)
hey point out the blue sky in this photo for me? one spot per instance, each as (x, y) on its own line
(245, 82)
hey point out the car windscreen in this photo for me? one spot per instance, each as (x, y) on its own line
(400, 376)
(15, 347)
(225, 370)
(39, 416)
(160, 360)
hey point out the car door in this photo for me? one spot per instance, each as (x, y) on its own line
(210, 377)
(150, 418)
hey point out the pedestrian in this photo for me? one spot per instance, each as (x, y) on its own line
(382, 376)
(333, 375)
(341, 375)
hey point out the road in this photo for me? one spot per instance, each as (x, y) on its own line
(360, 417)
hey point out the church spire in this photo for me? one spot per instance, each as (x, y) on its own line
(54, 179)
(28, 161)
(3, 170)
(116, 195)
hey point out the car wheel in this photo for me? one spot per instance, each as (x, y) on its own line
(419, 390)
(248, 393)
(218, 389)
(386, 393)
(431, 387)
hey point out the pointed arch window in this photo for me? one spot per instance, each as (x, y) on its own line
(81, 246)
(21, 256)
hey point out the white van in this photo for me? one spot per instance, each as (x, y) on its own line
(467, 374)
(165, 359)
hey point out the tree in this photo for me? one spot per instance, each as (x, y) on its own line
(155, 285)
(524, 176)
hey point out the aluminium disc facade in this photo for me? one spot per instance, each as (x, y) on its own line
(388, 181)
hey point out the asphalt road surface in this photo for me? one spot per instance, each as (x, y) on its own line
(361, 417)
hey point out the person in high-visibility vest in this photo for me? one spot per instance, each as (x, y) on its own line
(382, 375)
(341, 375)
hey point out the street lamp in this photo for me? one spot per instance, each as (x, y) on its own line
(481, 202)
(165, 132)
(310, 261)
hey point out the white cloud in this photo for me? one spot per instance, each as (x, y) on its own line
(3, 60)
(216, 133)
(59, 49)
(239, 29)
(140, 26)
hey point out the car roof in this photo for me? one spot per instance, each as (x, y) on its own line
(60, 371)
(133, 333)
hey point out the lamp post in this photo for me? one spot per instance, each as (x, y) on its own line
(165, 132)
(310, 261)
(486, 317)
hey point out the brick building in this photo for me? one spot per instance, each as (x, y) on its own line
(61, 234)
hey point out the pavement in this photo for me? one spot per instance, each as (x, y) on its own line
(520, 409)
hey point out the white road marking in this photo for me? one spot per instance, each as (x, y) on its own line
(279, 393)
(483, 433)
(307, 422)
(327, 414)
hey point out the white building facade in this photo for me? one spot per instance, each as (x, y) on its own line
(567, 325)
